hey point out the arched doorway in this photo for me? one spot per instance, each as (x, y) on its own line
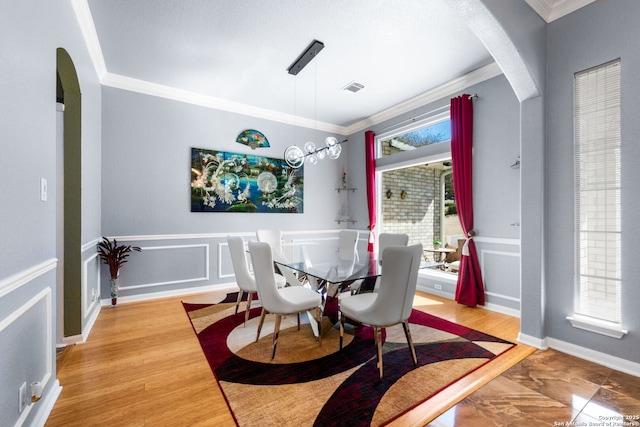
(70, 251)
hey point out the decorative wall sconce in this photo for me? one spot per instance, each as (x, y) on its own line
(389, 194)
(403, 194)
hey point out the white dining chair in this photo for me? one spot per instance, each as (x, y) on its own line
(347, 244)
(274, 239)
(283, 301)
(393, 303)
(384, 240)
(244, 278)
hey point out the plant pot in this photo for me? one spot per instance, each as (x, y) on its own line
(114, 290)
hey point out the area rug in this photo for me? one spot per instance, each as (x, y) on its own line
(308, 384)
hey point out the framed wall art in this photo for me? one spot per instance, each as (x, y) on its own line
(230, 182)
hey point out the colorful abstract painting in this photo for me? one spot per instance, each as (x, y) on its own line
(232, 182)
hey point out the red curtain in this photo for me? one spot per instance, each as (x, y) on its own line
(370, 168)
(469, 289)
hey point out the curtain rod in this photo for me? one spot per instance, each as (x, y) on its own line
(419, 116)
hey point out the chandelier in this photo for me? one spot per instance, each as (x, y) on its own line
(294, 155)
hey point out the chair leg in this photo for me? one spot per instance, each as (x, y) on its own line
(262, 314)
(341, 328)
(276, 331)
(246, 312)
(298, 316)
(319, 318)
(407, 333)
(377, 332)
(240, 293)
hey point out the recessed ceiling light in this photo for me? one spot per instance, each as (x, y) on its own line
(353, 87)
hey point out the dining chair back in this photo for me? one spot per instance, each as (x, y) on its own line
(385, 240)
(393, 303)
(244, 278)
(347, 244)
(283, 301)
(273, 238)
(391, 239)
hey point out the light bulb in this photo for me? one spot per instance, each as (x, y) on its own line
(331, 141)
(309, 147)
(294, 156)
(334, 152)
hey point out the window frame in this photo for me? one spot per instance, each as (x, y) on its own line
(427, 154)
(591, 240)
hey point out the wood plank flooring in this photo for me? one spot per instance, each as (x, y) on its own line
(143, 366)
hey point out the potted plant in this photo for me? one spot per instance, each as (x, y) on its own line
(114, 256)
(436, 243)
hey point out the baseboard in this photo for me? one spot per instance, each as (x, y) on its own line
(622, 365)
(173, 293)
(491, 307)
(533, 341)
(45, 405)
(439, 293)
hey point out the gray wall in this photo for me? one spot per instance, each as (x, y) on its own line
(146, 162)
(32, 32)
(496, 187)
(600, 32)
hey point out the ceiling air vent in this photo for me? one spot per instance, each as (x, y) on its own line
(353, 87)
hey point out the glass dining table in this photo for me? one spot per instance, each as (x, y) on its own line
(335, 272)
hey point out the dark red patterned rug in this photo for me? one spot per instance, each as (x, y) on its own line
(317, 385)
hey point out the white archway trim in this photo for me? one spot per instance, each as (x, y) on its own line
(494, 37)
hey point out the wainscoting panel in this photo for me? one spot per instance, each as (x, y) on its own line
(90, 286)
(500, 265)
(175, 264)
(225, 268)
(162, 266)
(26, 337)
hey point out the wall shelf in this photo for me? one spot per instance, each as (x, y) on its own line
(347, 219)
(346, 189)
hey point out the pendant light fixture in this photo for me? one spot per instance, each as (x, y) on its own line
(294, 155)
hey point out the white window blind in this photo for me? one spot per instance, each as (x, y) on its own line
(597, 193)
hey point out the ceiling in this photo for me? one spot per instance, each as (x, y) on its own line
(237, 52)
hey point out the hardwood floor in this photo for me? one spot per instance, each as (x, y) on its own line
(143, 366)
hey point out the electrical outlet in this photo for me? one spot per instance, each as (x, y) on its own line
(438, 286)
(22, 397)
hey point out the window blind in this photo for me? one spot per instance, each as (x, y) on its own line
(597, 192)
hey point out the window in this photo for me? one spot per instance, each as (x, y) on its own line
(415, 195)
(597, 198)
(433, 133)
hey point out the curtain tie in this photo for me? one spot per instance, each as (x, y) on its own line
(465, 246)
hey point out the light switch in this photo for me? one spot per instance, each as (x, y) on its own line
(43, 189)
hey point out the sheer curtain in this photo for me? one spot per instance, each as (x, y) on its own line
(469, 289)
(370, 168)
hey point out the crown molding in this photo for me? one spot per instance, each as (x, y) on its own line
(550, 10)
(141, 86)
(87, 27)
(454, 86)
(90, 35)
